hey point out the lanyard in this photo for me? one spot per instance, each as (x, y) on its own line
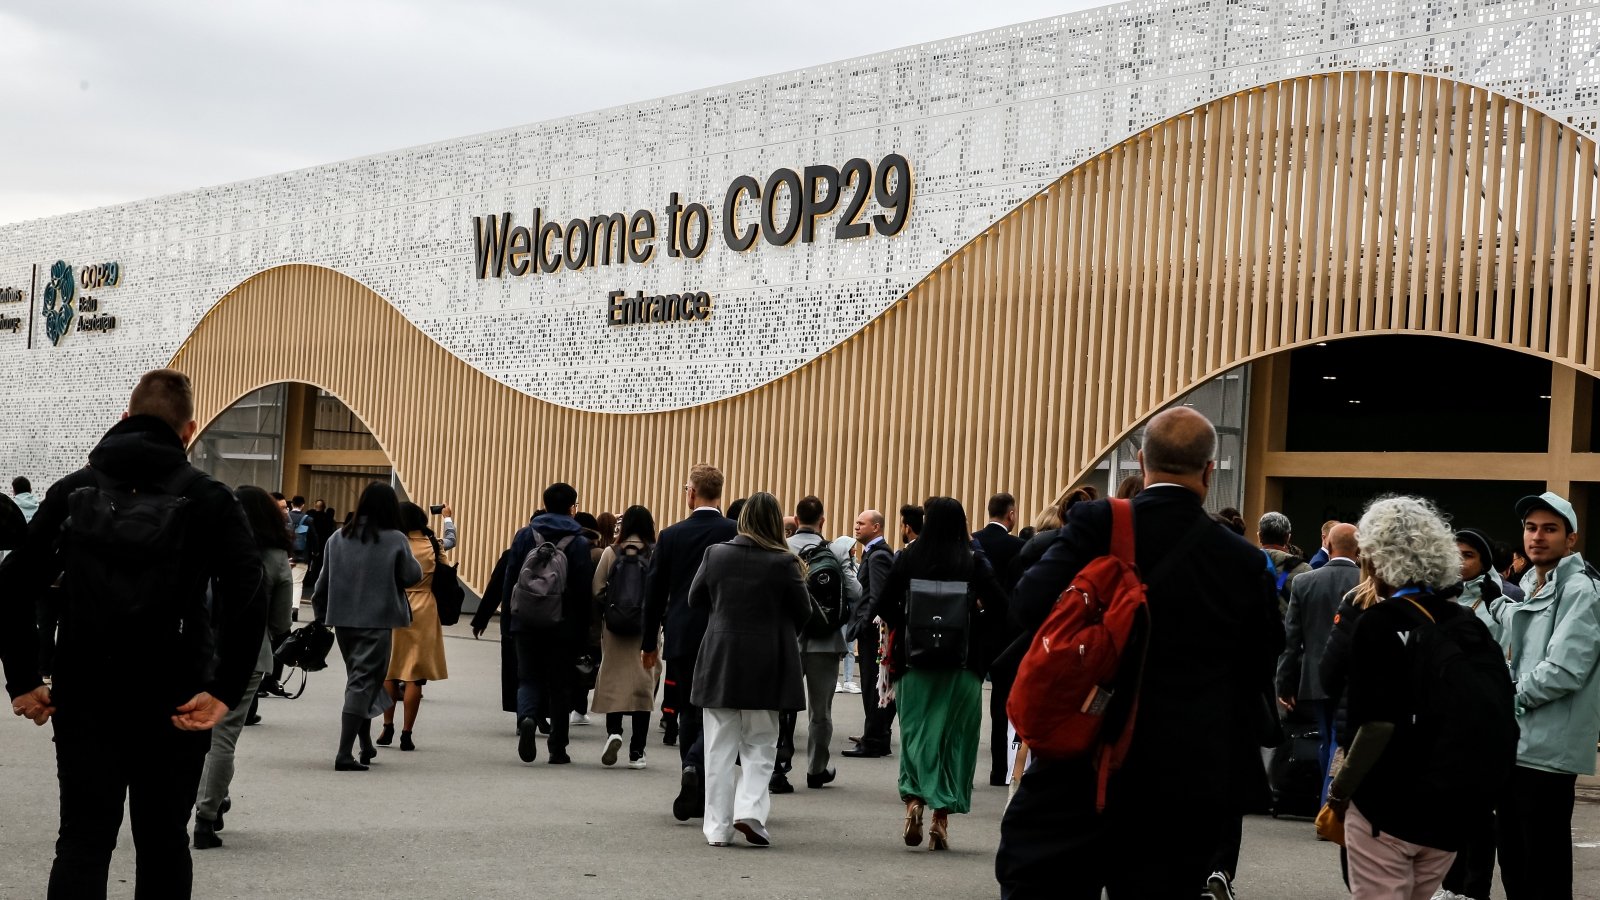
(1410, 592)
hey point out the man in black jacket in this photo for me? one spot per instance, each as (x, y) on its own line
(672, 567)
(194, 658)
(547, 655)
(1002, 547)
(1195, 755)
(873, 573)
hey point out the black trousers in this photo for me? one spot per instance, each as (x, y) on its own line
(544, 683)
(155, 768)
(787, 720)
(641, 730)
(1472, 874)
(691, 721)
(1054, 845)
(1000, 680)
(1533, 828)
(879, 726)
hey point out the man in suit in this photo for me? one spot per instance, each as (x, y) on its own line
(672, 567)
(1002, 547)
(873, 573)
(1195, 755)
(1323, 554)
(1313, 600)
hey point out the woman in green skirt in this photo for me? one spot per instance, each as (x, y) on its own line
(938, 665)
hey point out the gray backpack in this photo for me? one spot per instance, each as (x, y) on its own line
(537, 596)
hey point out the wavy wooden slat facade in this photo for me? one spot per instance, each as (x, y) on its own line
(1321, 207)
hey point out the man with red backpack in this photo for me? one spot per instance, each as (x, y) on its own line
(1193, 762)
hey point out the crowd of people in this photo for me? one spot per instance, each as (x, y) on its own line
(1451, 688)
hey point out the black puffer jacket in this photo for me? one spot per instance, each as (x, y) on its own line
(216, 647)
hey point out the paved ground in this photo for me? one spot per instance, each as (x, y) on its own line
(462, 817)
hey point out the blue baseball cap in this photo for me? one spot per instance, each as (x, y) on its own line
(1552, 501)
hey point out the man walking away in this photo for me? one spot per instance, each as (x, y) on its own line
(821, 647)
(672, 570)
(876, 561)
(1002, 547)
(1313, 601)
(548, 651)
(1274, 534)
(1324, 552)
(149, 536)
(1552, 640)
(1215, 635)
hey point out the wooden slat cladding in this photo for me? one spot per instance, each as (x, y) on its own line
(1321, 207)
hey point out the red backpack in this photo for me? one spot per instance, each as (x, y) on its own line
(1089, 651)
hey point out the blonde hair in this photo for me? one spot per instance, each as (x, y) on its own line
(761, 521)
(1048, 518)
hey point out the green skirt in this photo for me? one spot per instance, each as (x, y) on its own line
(941, 714)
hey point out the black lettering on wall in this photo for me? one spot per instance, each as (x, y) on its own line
(600, 246)
(521, 244)
(692, 248)
(489, 243)
(549, 232)
(814, 207)
(857, 175)
(785, 178)
(672, 223)
(735, 239)
(577, 258)
(641, 230)
(893, 194)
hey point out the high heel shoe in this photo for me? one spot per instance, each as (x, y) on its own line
(405, 741)
(939, 832)
(386, 736)
(913, 831)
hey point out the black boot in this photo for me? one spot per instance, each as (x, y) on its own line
(368, 751)
(205, 834)
(349, 729)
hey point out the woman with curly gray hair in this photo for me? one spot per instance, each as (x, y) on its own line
(1400, 792)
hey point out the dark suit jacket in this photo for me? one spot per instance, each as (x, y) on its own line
(756, 602)
(1313, 601)
(873, 574)
(1215, 636)
(1001, 547)
(672, 570)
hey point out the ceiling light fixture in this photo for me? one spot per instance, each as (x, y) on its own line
(1330, 378)
(1356, 402)
(1544, 396)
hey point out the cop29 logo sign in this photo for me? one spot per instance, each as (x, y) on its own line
(63, 302)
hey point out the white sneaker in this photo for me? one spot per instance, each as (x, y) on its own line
(838, 687)
(578, 719)
(636, 763)
(850, 687)
(613, 745)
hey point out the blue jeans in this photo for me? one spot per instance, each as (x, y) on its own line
(1322, 712)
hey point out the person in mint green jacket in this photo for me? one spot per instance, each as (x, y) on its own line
(1552, 642)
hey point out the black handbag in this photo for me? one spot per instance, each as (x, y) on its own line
(938, 624)
(448, 595)
(305, 647)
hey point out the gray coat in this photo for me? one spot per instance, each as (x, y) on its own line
(833, 643)
(364, 585)
(750, 658)
(1313, 600)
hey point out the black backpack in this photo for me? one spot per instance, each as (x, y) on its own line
(623, 600)
(448, 595)
(1464, 728)
(123, 547)
(938, 622)
(825, 583)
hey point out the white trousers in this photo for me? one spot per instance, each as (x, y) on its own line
(751, 737)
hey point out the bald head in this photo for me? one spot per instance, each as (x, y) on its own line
(1179, 442)
(1342, 541)
(869, 526)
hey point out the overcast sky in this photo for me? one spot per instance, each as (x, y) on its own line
(105, 102)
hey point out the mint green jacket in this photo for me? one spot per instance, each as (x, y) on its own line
(1552, 641)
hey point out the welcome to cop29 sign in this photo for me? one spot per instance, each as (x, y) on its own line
(787, 206)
